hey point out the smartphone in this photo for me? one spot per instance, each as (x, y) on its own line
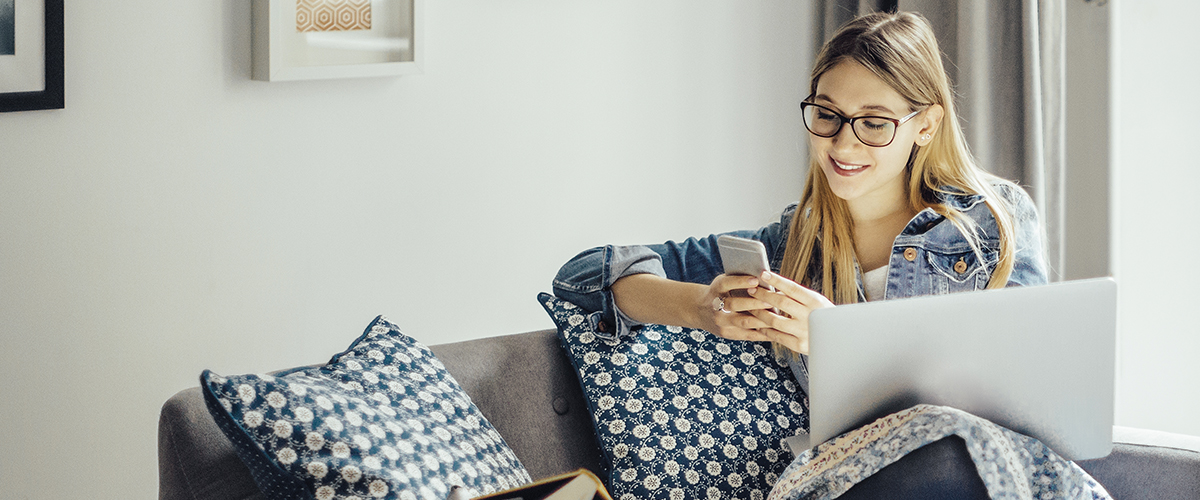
(743, 256)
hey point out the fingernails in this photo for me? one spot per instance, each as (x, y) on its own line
(766, 276)
(753, 283)
(752, 291)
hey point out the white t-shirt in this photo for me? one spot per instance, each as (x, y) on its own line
(874, 283)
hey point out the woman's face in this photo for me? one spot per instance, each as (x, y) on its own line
(866, 177)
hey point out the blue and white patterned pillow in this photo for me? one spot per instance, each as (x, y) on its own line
(681, 413)
(383, 419)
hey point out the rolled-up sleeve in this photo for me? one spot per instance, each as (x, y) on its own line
(586, 280)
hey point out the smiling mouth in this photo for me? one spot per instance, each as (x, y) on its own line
(847, 168)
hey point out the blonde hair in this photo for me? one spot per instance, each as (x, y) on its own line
(899, 48)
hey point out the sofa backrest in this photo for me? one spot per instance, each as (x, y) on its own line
(522, 383)
(527, 389)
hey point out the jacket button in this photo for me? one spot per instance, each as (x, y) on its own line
(910, 254)
(601, 326)
(960, 266)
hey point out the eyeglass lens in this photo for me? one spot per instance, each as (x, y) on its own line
(872, 131)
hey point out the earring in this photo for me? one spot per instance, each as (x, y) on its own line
(925, 137)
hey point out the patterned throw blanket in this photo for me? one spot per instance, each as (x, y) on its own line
(1012, 466)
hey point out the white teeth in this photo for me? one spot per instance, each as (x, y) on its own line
(844, 166)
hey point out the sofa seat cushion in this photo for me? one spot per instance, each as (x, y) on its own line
(383, 419)
(681, 413)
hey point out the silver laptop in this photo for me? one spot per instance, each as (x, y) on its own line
(1037, 360)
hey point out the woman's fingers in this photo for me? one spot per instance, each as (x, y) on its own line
(795, 291)
(790, 298)
(763, 325)
(791, 324)
(782, 305)
(797, 343)
(739, 312)
(762, 315)
(716, 300)
(740, 334)
(739, 326)
(745, 304)
(725, 283)
(727, 294)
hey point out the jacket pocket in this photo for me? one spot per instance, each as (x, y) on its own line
(958, 271)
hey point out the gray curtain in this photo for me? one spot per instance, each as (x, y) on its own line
(1006, 61)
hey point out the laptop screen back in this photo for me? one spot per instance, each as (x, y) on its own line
(1037, 360)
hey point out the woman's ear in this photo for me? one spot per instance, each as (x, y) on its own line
(931, 119)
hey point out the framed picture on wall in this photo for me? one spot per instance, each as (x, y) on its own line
(31, 55)
(315, 39)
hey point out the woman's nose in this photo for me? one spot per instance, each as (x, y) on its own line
(845, 139)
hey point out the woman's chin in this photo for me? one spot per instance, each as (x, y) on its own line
(844, 188)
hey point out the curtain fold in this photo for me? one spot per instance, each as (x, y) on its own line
(1006, 61)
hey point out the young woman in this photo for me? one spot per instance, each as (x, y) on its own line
(893, 206)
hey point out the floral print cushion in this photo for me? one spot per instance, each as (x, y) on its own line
(383, 419)
(681, 413)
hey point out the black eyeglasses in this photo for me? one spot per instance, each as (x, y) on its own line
(875, 131)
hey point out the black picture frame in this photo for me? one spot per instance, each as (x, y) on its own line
(51, 97)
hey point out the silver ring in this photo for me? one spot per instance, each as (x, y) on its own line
(718, 304)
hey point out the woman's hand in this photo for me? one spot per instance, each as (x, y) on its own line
(780, 316)
(726, 308)
(794, 303)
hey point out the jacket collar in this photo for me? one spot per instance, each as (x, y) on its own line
(958, 199)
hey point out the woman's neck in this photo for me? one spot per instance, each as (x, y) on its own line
(876, 226)
(883, 218)
(880, 209)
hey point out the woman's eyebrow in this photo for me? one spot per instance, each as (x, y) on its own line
(872, 107)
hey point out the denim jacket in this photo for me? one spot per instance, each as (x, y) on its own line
(929, 257)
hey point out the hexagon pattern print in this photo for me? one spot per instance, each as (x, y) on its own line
(333, 15)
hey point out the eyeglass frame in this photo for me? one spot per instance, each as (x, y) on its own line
(896, 122)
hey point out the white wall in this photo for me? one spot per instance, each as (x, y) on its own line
(1157, 177)
(177, 216)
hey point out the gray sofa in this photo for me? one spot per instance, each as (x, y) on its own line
(526, 387)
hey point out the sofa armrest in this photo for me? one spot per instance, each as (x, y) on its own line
(195, 460)
(1148, 464)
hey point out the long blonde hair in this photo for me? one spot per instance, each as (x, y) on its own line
(899, 48)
